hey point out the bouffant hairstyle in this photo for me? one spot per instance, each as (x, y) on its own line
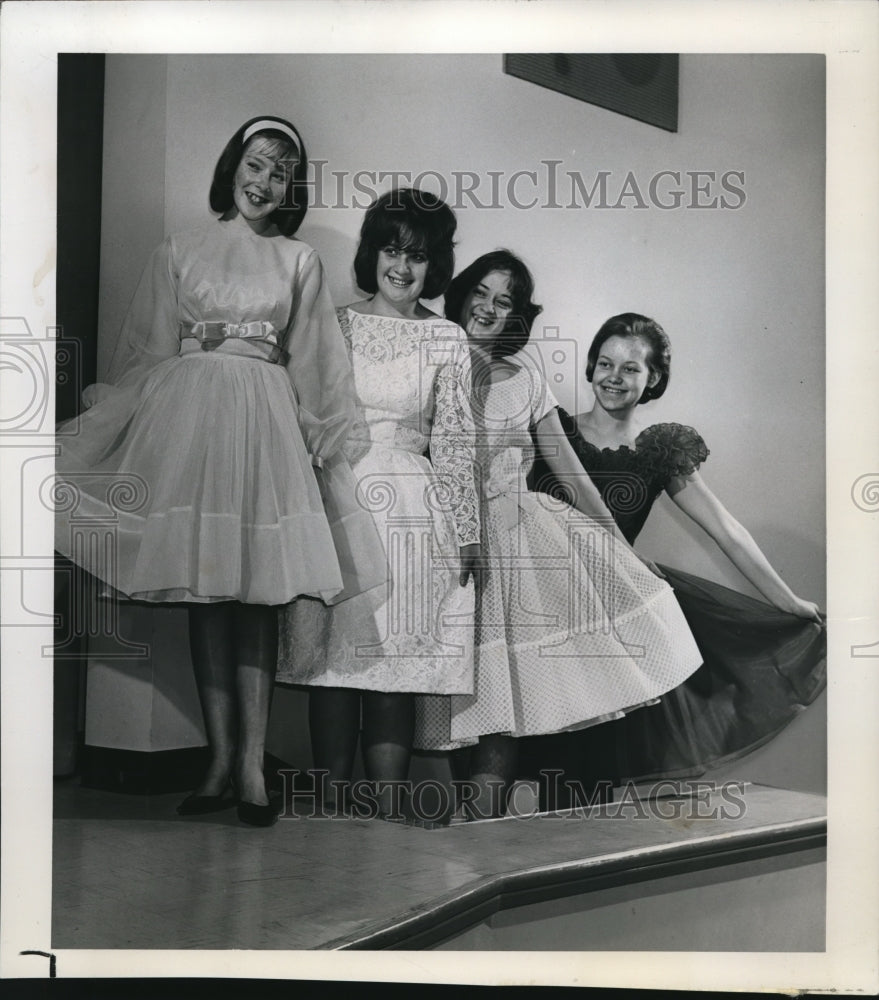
(517, 330)
(648, 330)
(275, 142)
(408, 219)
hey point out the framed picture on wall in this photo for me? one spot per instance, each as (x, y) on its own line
(641, 85)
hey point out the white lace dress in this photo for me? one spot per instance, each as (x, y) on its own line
(414, 634)
(571, 628)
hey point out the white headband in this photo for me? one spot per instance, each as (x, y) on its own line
(270, 123)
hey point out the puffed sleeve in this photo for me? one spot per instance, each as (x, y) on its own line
(542, 398)
(150, 332)
(673, 449)
(452, 441)
(318, 364)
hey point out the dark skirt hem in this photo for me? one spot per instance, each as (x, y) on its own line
(762, 667)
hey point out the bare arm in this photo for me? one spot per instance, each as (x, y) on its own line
(697, 501)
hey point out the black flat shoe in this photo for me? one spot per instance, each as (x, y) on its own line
(200, 805)
(254, 815)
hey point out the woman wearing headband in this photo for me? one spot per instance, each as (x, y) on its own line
(229, 387)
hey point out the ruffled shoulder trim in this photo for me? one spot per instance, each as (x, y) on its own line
(673, 449)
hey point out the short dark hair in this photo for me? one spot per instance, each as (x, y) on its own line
(517, 330)
(408, 219)
(636, 325)
(289, 215)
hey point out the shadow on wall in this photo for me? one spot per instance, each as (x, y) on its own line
(333, 247)
(673, 538)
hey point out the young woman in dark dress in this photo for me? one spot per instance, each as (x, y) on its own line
(763, 662)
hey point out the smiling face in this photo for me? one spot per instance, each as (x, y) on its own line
(622, 373)
(400, 276)
(260, 181)
(487, 308)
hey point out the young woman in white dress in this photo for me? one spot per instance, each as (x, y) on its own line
(411, 451)
(572, 628)
(230, 379)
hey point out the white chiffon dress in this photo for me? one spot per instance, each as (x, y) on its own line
(415, 634)
(572, 629)
(193, 467)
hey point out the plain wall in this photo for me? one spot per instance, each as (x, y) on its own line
(739, 291)
(132, 215)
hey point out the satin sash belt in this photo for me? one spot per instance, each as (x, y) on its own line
(260, 333)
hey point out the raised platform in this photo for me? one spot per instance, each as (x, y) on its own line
(129, 873)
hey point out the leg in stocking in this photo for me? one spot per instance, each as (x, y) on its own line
(459, 765)
(256, 649)
(493, 772)
(590, 763)
(334, 722)
(211, 647)
(388, 732)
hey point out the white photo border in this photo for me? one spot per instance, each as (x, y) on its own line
(845, 31)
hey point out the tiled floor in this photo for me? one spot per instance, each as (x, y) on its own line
(130, 873)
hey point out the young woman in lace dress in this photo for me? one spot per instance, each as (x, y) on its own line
(571, 627)
(762, 662)
(412, 455)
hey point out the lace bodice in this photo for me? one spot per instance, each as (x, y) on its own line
(412, 381)
(630, 479)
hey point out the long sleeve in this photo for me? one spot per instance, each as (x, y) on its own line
(452, 441)
(318, 364)
(150, 332)
(357, 441)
